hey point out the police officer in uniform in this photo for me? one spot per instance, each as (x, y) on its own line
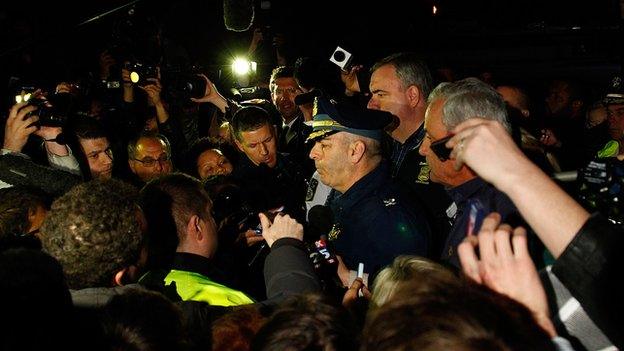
(373, 223)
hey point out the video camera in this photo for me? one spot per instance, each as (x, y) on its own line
(250, 93)
(601, 188)
(183, 82)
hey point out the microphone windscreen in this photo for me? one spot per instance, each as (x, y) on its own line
(238, 15)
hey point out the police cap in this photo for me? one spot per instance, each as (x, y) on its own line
(615, 94)
(330, 116)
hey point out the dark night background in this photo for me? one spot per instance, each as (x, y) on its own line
(524, 41)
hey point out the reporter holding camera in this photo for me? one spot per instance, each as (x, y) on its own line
(22, 122)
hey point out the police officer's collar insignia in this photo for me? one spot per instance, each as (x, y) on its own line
(312, 185)
(333, 233)
(423, 174)
(390, 202)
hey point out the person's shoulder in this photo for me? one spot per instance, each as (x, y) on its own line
(498, 201)
(387, 201)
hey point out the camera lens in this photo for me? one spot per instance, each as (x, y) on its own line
(339, 56)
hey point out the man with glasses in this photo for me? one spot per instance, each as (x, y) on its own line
(149, 156)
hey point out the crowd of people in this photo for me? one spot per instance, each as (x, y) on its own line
(384, 208)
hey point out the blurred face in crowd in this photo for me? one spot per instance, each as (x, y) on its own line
(151, 159)
(283, 92)
(615, 118)
(99, 156)
(259, 145)
(331, 158)
(558, 99)
(441, 171)
(513, 97)
(212, 162)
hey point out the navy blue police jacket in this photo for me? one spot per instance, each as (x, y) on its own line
(374, 224)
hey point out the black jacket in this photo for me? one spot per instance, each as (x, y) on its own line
(590, 268)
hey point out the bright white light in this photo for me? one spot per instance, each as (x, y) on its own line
(435, 10)
(24, 98)
(241, 66)
(134, 77)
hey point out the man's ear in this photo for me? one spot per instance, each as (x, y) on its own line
(119, 277)
(357, 151)
(193, 228)
(413, 95)
(239, 146)
(132, 165)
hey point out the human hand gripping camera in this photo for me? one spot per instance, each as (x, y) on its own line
(24, 121)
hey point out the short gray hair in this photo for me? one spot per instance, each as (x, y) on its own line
(411, 69)
(469, 98)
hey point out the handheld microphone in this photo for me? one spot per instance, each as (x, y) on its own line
(320, 221)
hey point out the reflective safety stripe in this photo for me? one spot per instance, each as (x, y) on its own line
(196, 287)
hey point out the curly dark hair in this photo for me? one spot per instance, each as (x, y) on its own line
(16, 203)
(93, 231)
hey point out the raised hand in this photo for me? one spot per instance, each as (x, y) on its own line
(283, 226)
(19, 126)
(505, 266)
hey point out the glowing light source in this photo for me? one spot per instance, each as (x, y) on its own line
(435, 10)
(134, 77)
(20, 98)
(241, 66)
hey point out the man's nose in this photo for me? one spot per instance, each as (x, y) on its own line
(160, 165)
(372, 104)
(314, 152)
(107, 159)
(424, 148)
(263, 149)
